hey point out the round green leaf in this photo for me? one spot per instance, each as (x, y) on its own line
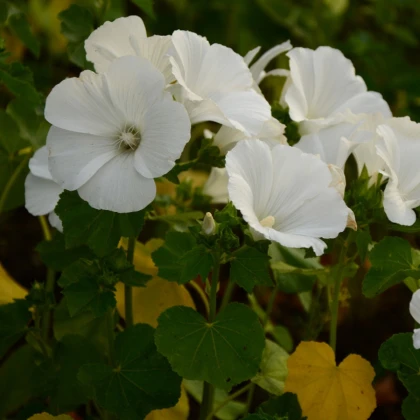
(224, 353)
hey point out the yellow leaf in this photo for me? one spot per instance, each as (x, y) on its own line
(327, 391)
(46, 416)
(9, 288)
(180, 412)
(150, 301)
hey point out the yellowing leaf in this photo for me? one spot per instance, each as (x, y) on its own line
(9, 288)
(46, 416)
(180, 412)
(326, 391)
(273, 369)
(150, 301)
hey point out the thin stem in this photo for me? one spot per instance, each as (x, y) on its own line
(202, 295)
(208, 389)
(49, 283)
(22, 165)
(231, 397)
(128, 290)
(228, 294)
(111, 336)
(268, 311)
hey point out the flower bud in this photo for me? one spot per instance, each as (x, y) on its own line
(208, 226)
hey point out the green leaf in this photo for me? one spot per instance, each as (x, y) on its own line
(14, 319)
(76, 25)
(250, 268)
(20, 366)
(64, 391)
(224, 353)
(392, 262)
(55, 255)
(10, 139)
(363, 240)
(85, 290)
(140, 381)
(180, 259)
(32, 124)
(411, 408)
(101, 230)
(399, 355)
(273, 369)
(284, 407)
(4, 12)
(14, 78)
(20, 26)
(146, 6)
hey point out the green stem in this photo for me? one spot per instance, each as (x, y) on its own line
(231, 397)
(228, 294)
(268, 311)
(111, 336)
(22, 165)
(128, 290)
(208, 389)
(49, 284)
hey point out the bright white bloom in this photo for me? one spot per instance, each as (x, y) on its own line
(41, 192)
(272, 132)
(285, 194)
(127, 36)
(400, 149)
(113, 133)
(415, 313)
(322, 85)
(258, 68)
(216, 186)
(215, 84)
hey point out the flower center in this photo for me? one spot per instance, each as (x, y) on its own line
(268, 221)
(129, 138)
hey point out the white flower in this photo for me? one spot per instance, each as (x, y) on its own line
(258, 68)
(322, 85)
(415, 313)
(113, 133)
(216, 186)
(272, 132)
(215, 84)
(41, 192)
(400, 149)
(127, 36)
(285, 194)
(208, 225)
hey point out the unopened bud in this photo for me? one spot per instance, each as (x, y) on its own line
(209, 225)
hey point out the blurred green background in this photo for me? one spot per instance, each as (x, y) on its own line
(41, 43)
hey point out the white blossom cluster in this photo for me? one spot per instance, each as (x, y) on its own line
(116, 129)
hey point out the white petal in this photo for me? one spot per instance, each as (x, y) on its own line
(134, 86)
(166, 131)
(324, 83)
(55, 221)
(75, 158)
(38, 164)
(250, 55)
(216, 186)
(338, 179)
(186, 59)
(415, 306)
(112, 40)
(83, 105)
(416, 339)
(118, 187)
(41, 195)
(258, 67)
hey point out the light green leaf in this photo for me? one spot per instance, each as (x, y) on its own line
(140, 381)
(392, 262)
(250, 268)
(273, 369)
(20, 26)
(10, 139)
(224, 353)
(180, 259)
